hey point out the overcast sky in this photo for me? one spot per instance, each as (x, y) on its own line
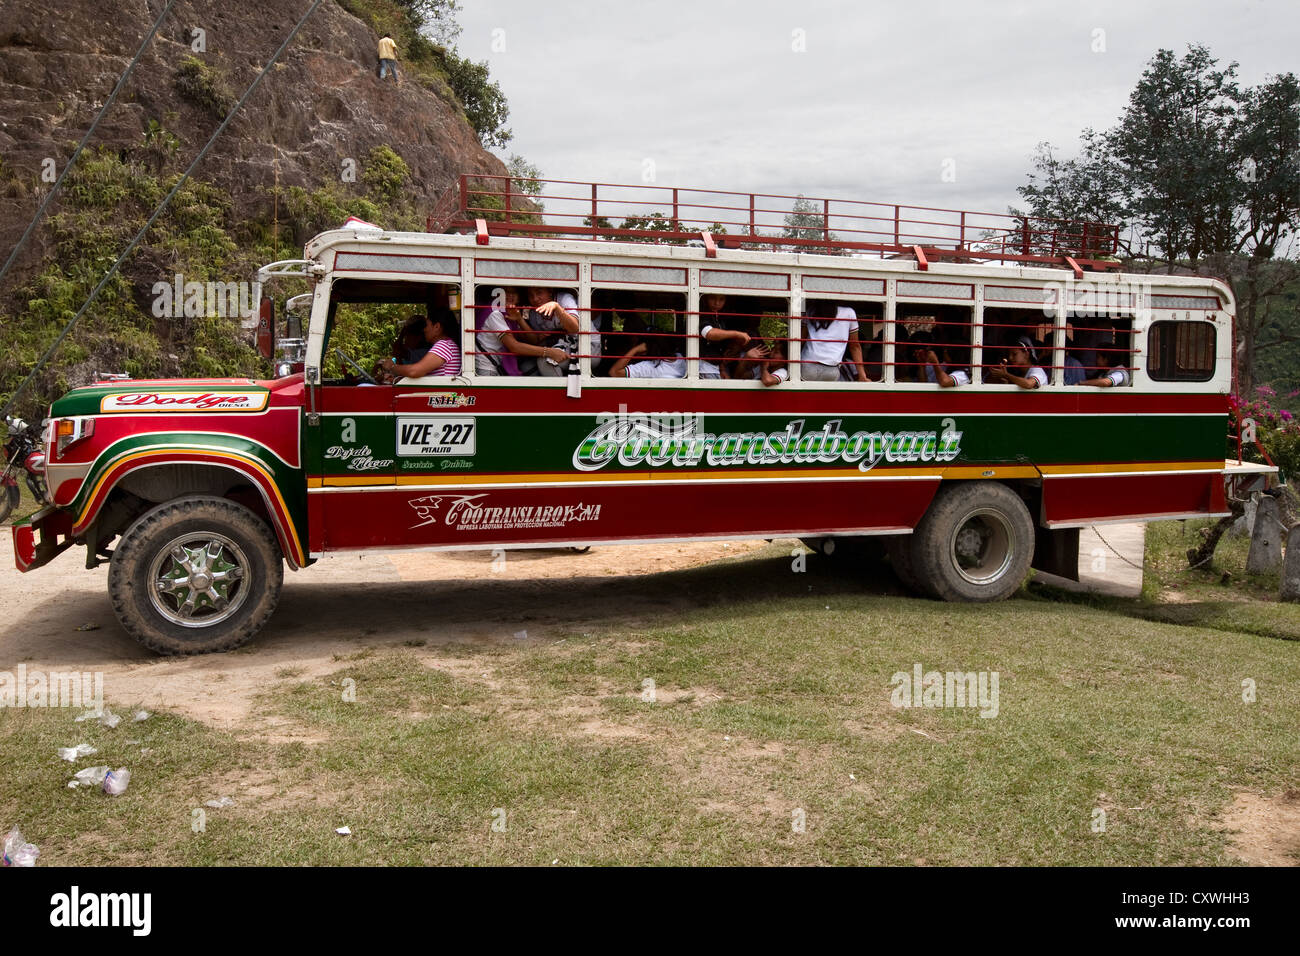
(715, 94)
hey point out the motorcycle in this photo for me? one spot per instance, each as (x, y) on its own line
(22, 453)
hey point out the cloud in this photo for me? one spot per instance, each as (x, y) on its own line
(719, 95)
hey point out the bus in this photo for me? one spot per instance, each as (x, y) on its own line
(969, 404)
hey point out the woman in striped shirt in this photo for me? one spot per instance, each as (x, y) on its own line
(443, 357)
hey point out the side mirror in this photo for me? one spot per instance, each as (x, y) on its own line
(266, 328)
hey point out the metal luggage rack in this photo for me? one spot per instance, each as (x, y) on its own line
(496, 205)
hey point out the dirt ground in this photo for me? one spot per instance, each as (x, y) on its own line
(59, 617)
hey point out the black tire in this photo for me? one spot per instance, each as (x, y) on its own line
(9, 498)
(899, 549)
(975, 543)
(213, 535)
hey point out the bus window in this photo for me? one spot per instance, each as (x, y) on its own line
(1098, 349)
(744, 337)
(1110, 352)
(1006, 329)
(830, 349)
(1181, 351)
(932, 344)
(504, 341)
(644, 333)
(374, 320)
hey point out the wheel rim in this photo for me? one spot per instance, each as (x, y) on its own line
(982, 546)
(198, 579)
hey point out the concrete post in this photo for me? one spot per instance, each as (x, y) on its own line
(1291, 568)
(1265, 555)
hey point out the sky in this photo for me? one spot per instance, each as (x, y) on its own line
(936, 103)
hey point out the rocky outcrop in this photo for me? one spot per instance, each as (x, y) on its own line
(322, 105)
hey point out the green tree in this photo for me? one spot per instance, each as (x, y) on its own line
(806, 220)
(482, 100)
(1208, 175)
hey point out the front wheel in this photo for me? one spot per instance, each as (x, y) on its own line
(974, 544)
(195, 575)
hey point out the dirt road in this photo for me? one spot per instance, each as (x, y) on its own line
(338, 606)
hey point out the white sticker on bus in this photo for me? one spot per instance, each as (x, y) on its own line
(427, 435)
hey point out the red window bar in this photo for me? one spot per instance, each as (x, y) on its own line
(495, 205)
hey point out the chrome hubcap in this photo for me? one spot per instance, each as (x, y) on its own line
(198, 579)
(982, 546)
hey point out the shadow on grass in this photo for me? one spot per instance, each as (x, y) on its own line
(1261, 618)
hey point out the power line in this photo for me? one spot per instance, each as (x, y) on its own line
(108, 104)
(157, 212)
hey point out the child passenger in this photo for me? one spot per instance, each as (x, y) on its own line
(1019, 367)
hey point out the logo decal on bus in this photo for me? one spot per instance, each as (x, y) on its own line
(646, 440)
(472, 513)
(357, 459)
(195, 401)
(450, 400)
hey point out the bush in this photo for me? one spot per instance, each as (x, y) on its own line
(1277, 432)
(204, 86)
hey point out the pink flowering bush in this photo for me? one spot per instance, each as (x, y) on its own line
(1277, 431)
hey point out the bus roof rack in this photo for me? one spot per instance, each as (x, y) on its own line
(501, 205)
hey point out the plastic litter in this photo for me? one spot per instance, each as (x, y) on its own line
(71, 754)
(90, 777)
(105, 717)
(344, 831)
(140, 715)
(115, 781)
(220, 804)
(18, 852)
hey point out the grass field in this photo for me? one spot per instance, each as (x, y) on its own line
(771, 737)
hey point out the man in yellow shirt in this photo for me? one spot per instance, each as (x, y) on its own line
(388, 58)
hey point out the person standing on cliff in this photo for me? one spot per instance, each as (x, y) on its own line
(388, 58)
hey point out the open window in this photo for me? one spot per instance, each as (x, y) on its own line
(371, 320)
(932, 343)
(741, 336)
(516, 330)
(643, 334)
(840, 339)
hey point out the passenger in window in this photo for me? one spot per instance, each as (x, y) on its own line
(1116, 377)
(925, 357)
(661, 358)
(1020, 366)
(555, 316)
(718, 339)
(767, 363)
(442, 350)
(826, 339)
(502, 336)
(410, 344)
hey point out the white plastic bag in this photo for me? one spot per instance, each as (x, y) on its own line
(115, 781)
(18, 852)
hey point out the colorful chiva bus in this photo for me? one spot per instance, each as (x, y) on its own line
(972, 417)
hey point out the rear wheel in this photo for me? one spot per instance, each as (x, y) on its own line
(974, 544)
(195, 575)
(899, 549)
